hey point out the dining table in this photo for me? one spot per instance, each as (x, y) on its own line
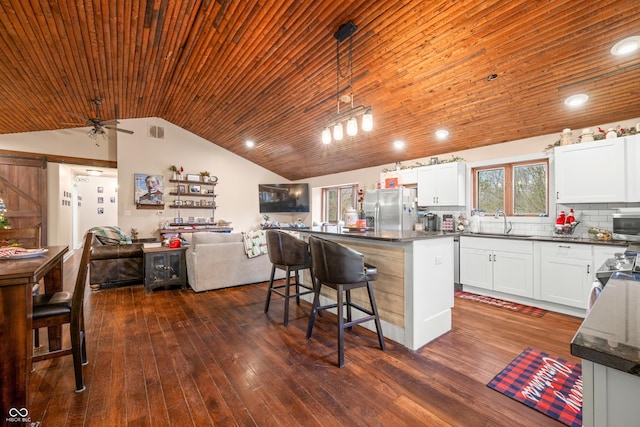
(18, 276)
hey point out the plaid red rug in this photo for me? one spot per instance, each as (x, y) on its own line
(520, 308)
(548, 384)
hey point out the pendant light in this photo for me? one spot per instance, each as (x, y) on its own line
(350, 116)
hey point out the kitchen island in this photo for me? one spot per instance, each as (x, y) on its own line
(608, 342)
(414, 290)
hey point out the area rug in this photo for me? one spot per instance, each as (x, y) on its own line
(548, 384)
(520, 308)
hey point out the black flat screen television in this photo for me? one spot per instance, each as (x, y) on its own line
(280, 198)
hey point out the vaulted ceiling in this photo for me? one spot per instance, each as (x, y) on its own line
(232, 70)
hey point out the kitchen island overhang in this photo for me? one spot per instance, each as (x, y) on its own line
(414, 290)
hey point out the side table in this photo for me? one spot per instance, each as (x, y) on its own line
(164, 267)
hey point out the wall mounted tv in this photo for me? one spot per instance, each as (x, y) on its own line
(281, 198)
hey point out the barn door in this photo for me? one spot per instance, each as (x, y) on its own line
(23, 186)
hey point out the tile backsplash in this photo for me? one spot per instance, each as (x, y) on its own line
(589, 215)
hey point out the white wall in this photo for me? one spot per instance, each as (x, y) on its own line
(237, 187)
(88, 200)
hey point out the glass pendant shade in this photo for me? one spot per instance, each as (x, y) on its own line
(337, 132)
(367, 121)
(326, 136)
(352, 127)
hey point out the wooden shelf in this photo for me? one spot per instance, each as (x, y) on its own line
(181, 181)
(175, 193)
(192, 207)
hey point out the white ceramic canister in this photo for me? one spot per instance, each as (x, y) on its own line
(350, 217)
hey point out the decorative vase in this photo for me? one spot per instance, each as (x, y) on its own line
(174, 176)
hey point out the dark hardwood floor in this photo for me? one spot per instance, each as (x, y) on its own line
(175, 357)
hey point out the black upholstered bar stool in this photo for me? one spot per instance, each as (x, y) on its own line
(288, 253)
(342, 269)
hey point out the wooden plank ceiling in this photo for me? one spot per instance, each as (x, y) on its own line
(231, 70)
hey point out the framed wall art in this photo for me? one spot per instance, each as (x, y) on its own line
(149, 190)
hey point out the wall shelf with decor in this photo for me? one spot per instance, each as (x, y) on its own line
(193, 194)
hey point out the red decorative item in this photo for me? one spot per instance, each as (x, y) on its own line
(570, 218)
(561, 218)
(174, 243)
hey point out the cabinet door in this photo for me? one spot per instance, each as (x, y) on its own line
(591, 172)
(565, 280)
(476, 267)
(427, 186)
(450, 184)
(513, 273)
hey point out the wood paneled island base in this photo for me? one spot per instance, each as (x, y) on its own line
(414, 290)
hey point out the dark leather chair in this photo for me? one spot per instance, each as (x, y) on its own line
(342, 269)
(67, 307)
(288, 253)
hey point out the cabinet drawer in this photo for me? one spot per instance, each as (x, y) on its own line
(498, 244)
(566, 250)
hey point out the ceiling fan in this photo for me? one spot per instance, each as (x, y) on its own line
(97, 124)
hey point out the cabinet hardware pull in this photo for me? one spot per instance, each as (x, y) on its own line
(489, 257)
(557, 195)
(564, 246)
(588, 269)
(494, 257)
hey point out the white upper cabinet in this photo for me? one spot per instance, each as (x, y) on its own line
(405, 177)
(442, 185)
(591, 172)
(633, 174)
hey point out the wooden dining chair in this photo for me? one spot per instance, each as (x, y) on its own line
(27, 237)
(67, 307)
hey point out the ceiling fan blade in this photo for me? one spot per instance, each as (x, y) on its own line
(110, 122)
(120, 130)
(73, 124)
(78, 116)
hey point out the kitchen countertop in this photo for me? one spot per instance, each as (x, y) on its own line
(384, 235)
(610, 334)
(408, 236)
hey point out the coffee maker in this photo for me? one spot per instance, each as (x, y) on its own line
(431, 222)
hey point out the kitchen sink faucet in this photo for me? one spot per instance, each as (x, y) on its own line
(505, 230)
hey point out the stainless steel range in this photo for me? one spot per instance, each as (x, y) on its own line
(627, 263)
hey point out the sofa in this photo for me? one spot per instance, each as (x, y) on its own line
(115, 260)
(220, 260)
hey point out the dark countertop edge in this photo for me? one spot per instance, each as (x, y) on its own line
(551, 239)
(386, 236)
(604, 359)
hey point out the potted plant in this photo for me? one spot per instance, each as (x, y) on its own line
(204, 176)
(174, 170)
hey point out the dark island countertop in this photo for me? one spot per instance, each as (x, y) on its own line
(610, 334)
(384, 235)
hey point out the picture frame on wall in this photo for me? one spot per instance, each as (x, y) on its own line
(100, 211)
(194, 189)
(112, 199)
(100, 189)
(181, 188)
(148, 190)
(193, 177)
(177, 220)
(100, 199)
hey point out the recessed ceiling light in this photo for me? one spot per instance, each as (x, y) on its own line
(576, 100)
(626, 46)
(249, 144)
(94, 172)
(398, 145)
(442, 133)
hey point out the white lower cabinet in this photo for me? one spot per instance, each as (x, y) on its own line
(497, 264)
(566, 273)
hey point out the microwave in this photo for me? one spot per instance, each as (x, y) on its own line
(626, 226)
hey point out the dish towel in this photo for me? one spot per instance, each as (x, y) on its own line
(596, 288)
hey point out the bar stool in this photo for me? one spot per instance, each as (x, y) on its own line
(342, 269)
(288, 253)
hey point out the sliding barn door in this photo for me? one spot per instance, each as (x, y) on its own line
(23, 186)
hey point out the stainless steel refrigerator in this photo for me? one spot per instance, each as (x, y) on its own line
(390, 208)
